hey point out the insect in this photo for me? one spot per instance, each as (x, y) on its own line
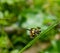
(34, 31)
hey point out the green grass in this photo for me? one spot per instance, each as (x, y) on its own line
(39, 36)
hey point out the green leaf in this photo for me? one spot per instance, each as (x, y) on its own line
(41, 34)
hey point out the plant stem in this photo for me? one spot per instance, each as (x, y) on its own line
(40, 35)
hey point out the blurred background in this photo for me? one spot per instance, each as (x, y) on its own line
(18, 15)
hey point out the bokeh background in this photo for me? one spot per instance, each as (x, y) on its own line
(18, 15)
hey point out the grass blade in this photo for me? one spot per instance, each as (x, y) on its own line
(40, 35)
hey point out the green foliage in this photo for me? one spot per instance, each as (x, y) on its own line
(18, 15)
